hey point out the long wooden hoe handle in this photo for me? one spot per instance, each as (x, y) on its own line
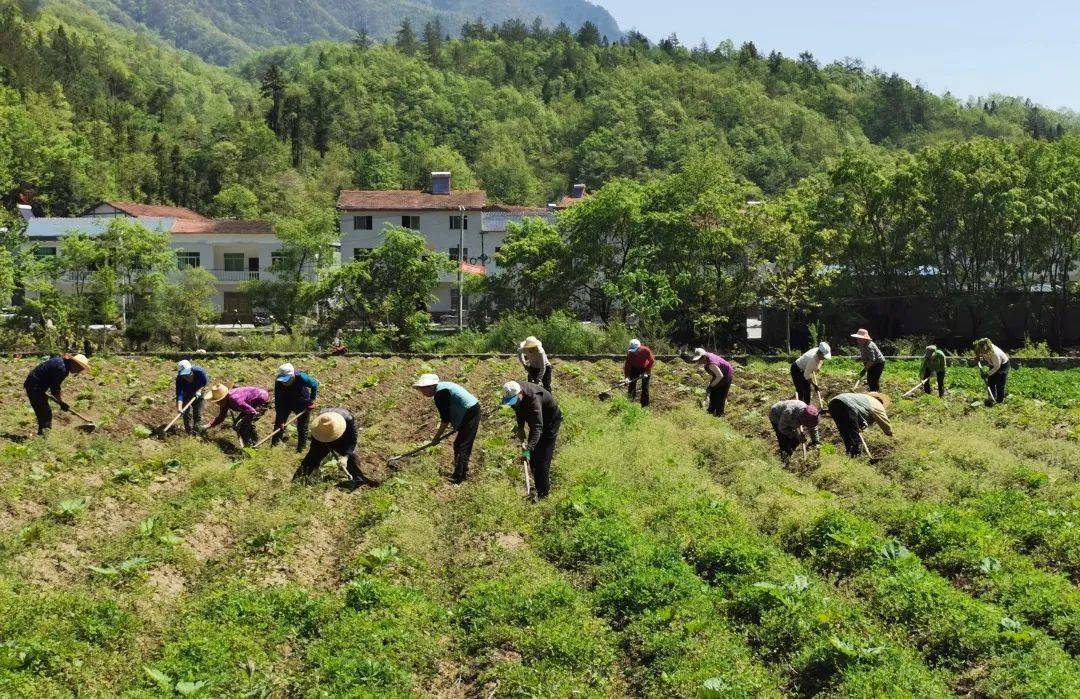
(70, 409)
(288, 422)
(183, 410)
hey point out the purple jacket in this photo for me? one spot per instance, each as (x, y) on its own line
(249, 401)
(720, 362)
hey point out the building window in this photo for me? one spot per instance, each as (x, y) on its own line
(412, 222)
(361, 223)
(234, 261)
(454, 254)
(44, 252)
(361, 253)
(188, 259)
(458, 223)
(277, 260)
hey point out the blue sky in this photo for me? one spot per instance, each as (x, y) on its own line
(969, 48)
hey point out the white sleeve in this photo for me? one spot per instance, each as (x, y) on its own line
(543, 356)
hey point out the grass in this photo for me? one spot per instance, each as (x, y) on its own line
(677, 555)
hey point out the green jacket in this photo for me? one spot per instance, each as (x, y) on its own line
(933, 363)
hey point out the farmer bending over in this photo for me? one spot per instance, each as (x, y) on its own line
(933, 364)
(638, 365)
(720, 374)
(190, 381)
(46, 378)
(458, 409)
(294, 392)
(804, 370)
(534, 405)
(333, 431)
(248, 402)
(535, 360)
(998, 373)
(873, 360)
(854, 412)
(792, 421)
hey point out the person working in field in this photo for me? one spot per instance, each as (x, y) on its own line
(190, 382)
(793, 421)
(933, 365)
(535, 360)
(854, 412)
(997, 373)
(720, 374)
(458, 409)
(333, 431)
(47, 378)
(536, 407)
(638, 367)
(294, 394)
(804, 370)
(873, 360)
(248, 402)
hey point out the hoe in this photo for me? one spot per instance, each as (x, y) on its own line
(162, 431)
(288, 422)
(88, 424)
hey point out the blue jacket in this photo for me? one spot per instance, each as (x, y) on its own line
(295, 396)
(185, 390)
(47, 376)
(452, 402)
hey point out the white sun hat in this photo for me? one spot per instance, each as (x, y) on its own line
(183, 368)
(426, 380)
(511, 390)
(286, 372)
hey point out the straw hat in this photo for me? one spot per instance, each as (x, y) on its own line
(881, 398)
(286, 372)
(511, 390)
(530, 342)
(810, 416)
(635, 345)
(218, 392)
(426, 380)
(81, 361)
(327, 427)
(983, 344)
(861, 334)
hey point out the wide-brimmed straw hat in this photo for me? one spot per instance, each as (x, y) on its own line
(530, 342)
(218, 392)
(426, 380)
(327, 427)
(861, 334)
(81, 361)
(881, 398)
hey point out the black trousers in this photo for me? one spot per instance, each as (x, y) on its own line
(996, 382)
(631, 388)
(940, 383)
(245, 427)
(541, 376)
(802, 385)
(848, 427)
(463, 442)
(540, 459)
(282, 416)
(718, 397)
(786, 443)
(318, 453)
(873, 375)
(193, 415)
(39, 401)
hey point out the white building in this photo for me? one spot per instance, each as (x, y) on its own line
(233, 251)
(445, 217)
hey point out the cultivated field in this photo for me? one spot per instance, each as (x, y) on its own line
(676, 556)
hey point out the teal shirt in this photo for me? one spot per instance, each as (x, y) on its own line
(453, 401)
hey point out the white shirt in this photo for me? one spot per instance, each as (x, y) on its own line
(995, 357)
(810, 363)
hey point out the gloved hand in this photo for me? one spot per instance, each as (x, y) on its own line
(526, 454)
(65, 407)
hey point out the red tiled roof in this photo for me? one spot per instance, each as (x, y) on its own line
(222, 227)
(569, 201)
(409, 200)
(523, 210)
(154, 210)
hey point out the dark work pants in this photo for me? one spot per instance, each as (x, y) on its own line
(318, 453)
(996, 382)
(848, 427)
(540, 459)
(245, 427)
(193, 416)
(802, 385)
(786, 443)
(541, 376)
(282, 416)
(463, 442)
(631, 389)
(718, 397)
(940, 383)
(39, 401)
(873, 376)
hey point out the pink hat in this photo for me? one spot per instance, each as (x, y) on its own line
(810, 416)
(861, 335)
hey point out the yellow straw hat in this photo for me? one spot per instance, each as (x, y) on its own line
(881, 398)
(218, 392)
(327, 427)
(531, 342)
(81, 360)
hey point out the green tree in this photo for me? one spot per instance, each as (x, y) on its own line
(235, 201)
(189, 302)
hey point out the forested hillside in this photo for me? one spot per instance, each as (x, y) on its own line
(222, 32)
(89, 110)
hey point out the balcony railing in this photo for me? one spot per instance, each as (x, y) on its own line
(241, 275)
